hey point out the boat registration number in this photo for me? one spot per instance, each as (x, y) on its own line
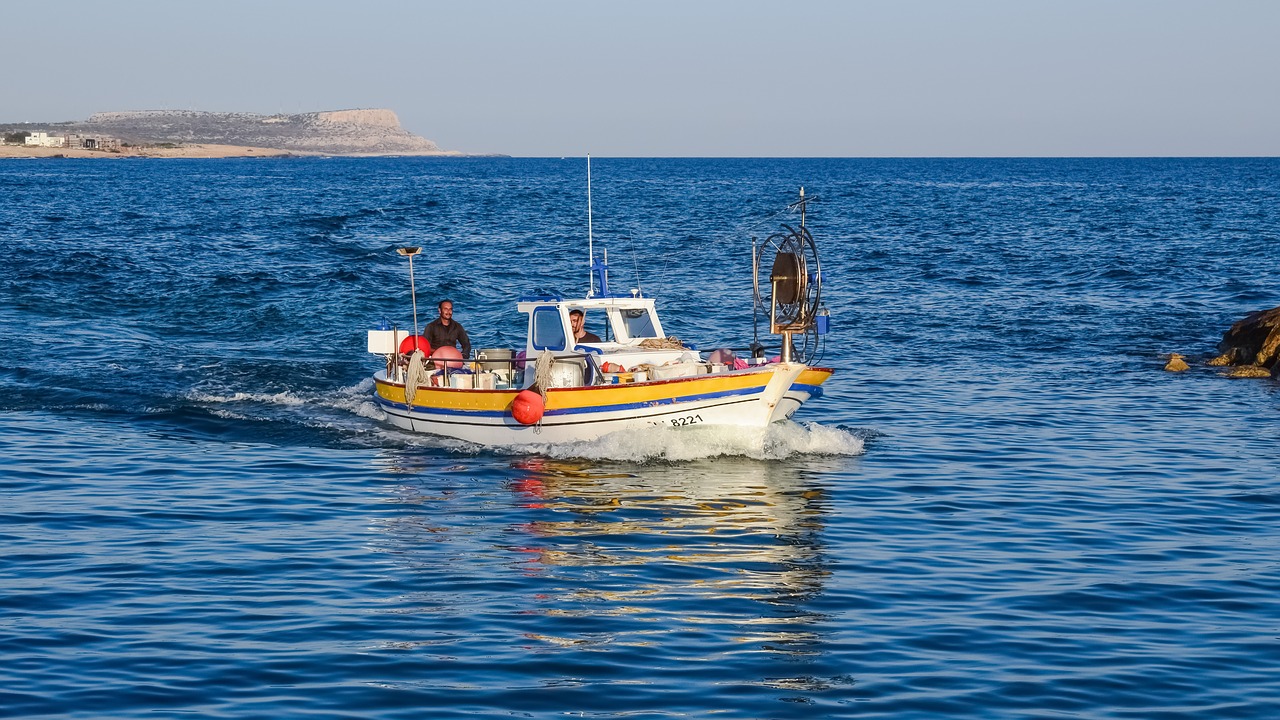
(682, 421)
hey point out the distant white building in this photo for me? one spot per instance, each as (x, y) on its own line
(45, 140)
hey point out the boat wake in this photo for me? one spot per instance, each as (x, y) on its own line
(349, 411)
(343, 415)
(234, 404)
(775, 442)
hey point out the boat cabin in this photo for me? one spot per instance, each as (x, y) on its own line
(630, 335)
(632, 348)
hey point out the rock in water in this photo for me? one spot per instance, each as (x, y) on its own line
(1247, 371)
(1176, 364)
(1254, 341)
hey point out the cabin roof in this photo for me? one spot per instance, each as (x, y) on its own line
(624, 303)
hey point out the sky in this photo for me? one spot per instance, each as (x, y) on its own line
(684, 78)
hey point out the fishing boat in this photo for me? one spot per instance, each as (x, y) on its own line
(556, 389)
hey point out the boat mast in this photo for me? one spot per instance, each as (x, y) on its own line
(591, 254)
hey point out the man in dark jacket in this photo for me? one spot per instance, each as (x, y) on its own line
(580, 334)
(444, 331)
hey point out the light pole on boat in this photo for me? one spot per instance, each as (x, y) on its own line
(409, 252)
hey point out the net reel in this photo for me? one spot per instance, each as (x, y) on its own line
(794, 292)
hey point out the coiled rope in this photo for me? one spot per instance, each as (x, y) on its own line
(542, 373)
(670, 342)
(415, 375)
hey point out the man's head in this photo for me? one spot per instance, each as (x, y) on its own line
(446, 310)
(575, 320)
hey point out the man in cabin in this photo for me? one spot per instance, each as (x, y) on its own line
(580, 334)
(444, 331)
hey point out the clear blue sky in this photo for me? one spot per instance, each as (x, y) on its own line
(683, 77)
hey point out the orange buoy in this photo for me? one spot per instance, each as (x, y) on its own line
(527, 407)
(415, 342)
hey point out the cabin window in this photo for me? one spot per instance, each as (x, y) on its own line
(638, 323)
(548, 329)
(596, 322)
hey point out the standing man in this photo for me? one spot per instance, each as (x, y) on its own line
(444, 331)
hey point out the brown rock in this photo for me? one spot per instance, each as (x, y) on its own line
(1247, 371)
(1255, 340)
(1176, 364)
(1224, 359)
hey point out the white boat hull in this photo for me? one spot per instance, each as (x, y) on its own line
(748, 398)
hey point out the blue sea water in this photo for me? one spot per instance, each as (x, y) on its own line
(1002, 507)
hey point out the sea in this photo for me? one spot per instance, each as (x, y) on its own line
(1002, 507)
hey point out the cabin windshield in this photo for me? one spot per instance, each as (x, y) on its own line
(638, 323)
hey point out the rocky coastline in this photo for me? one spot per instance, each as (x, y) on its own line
(1250, 348)
(183, 133)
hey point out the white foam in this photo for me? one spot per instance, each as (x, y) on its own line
(280, 398)
(776, 442)
(357, 399)
(228, 414)
(344, 409)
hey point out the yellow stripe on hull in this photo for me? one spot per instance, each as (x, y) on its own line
(592, 396)
(751, 398)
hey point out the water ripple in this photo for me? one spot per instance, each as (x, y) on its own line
(1001, 508)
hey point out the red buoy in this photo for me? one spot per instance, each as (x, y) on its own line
(415, 342)
(527, 407)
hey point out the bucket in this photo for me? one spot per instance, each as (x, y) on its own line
(566, 374)
(492, 359)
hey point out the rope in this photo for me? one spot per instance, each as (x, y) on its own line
(542, 373)
(415, 375)
(670, 342)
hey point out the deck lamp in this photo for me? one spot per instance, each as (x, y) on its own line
(409, 252)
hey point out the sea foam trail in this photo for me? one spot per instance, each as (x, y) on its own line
(776, 442)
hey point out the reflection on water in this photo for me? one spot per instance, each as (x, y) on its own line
(589, 572)
(664, 542)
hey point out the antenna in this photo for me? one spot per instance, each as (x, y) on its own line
(591, 253)
(409, 252)
(800, 205)
(636, 263)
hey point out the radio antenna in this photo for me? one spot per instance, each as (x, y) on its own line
(591, 252)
